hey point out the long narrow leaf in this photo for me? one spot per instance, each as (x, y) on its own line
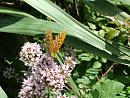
(27, 26)
(6, 10)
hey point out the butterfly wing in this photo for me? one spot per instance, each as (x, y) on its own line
(49, 40)
(58, 41)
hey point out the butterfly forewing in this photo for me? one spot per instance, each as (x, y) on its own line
(49, 40)
(58, 41)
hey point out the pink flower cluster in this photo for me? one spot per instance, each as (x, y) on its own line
(45, 73)
(30, 53)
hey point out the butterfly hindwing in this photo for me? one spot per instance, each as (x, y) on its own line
(58, 41)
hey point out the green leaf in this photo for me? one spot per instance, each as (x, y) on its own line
(92, 26)
(84, 80)
(111, 33)
(27, 26)
(85, 57)
(108, 10)
(101, 33)
(92, 71)
(108, 89)
(2, 93)
(103, 60)
(11, 11)
(127, 2)
(97, 64)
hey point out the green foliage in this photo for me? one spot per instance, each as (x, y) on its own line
(83, 36)
(85, 57)
(108, 89)
(100, 40)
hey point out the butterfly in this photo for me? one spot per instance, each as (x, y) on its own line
(53, 46)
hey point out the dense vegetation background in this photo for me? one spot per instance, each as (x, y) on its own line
(101, 44)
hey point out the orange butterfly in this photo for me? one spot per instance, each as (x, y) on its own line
(54, 45)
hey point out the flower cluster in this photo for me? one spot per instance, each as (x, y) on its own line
(45, 74)
(52, 73)
(67, 67)
(32, 86)
(30, 53)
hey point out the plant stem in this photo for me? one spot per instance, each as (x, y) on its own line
(107, 71)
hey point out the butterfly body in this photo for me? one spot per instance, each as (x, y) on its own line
(54, 45)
